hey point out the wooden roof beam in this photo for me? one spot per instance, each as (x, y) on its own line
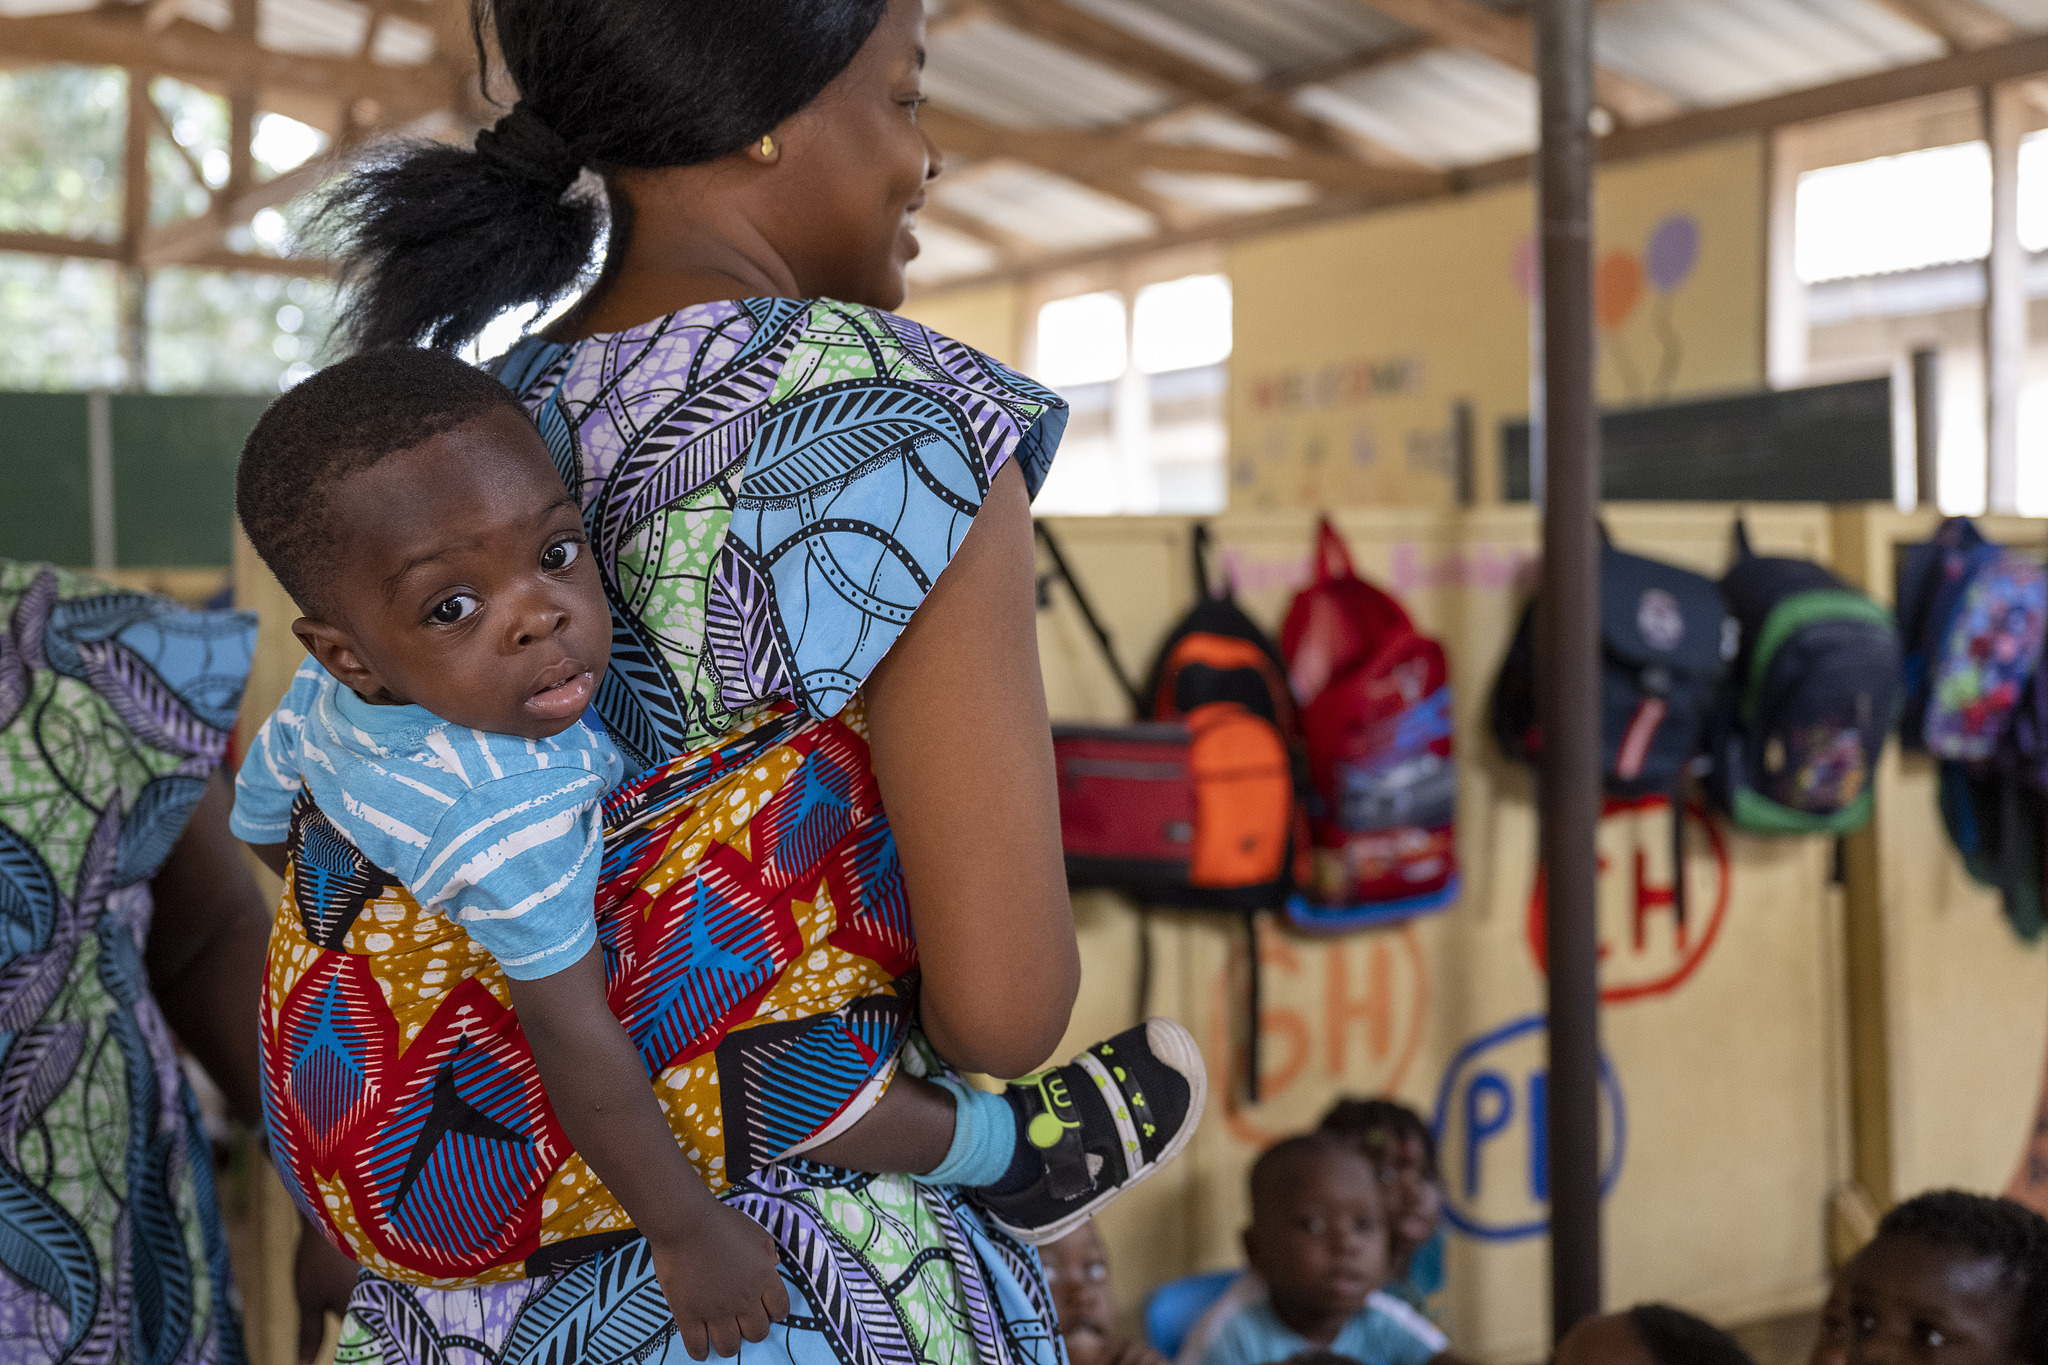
(1962, 25)
(1183, 78)
(1510, 40)
(1011, 248)
(193, 52)
(1120, 154)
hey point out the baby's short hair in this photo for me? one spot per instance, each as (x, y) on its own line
(2000, 1230)
(1278, 1162)
(337, 423)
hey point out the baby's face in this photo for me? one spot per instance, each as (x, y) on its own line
(464, 583)
(1910, 1301)
(1321, 1241)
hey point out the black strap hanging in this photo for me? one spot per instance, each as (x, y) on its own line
(1253, 1006)
(1095, 627)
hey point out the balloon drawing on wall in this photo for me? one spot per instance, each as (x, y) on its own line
(1620, 280)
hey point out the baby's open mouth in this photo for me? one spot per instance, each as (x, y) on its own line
(562, 692)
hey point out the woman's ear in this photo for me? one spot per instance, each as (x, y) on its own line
(334, 650)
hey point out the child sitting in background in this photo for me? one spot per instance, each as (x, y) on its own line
(1962, 1278)
(1077, 1268)
(1319, 1241)
(1649, 1334)
(1400, 1146)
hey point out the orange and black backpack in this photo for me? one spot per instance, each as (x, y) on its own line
(1196, 806)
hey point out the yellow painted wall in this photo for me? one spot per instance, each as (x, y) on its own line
(1733, 1094)
(1354, 338)
(986, 318)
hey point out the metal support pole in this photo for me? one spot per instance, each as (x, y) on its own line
(1567, 644)
(2005, 299)
(1927, 424)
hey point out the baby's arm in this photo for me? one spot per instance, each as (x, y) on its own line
(716, 1265)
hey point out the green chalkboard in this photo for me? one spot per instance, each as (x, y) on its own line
(174, 475)
(1826, 443)
(45, 482)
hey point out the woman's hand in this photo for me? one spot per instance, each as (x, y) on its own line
(721, 1281)
(322, 1280)
(962, 750)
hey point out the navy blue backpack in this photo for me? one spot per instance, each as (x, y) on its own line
(1664, 643)
(1813, 693)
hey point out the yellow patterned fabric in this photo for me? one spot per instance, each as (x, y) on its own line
(402, 1094)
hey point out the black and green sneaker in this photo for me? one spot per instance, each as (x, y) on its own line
(1100, 1124)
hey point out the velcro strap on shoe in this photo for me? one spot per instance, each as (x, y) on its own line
(1055, 1134)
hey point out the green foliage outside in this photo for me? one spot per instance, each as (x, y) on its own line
(62, 130)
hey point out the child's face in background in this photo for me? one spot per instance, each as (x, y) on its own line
(1408, 1190)
(1320, 1241)
(463, 582)
(1077, 1267)
(1831, 1347)
(1913, 1303)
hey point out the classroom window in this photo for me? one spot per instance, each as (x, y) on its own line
(1146, 381)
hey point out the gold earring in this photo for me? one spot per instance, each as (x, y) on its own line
(767, 148)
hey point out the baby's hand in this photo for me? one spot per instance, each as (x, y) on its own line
(721, 1281)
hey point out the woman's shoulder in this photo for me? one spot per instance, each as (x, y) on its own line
(751, 361)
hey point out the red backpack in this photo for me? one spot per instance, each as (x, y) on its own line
(1375, 699)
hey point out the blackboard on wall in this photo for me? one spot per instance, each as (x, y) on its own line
(1827, 443)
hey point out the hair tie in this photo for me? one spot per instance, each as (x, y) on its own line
(523, 143)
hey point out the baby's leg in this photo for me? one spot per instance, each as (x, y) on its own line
(909, 1130)
(1053, 1148)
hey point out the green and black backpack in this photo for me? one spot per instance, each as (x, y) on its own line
(1812, 695)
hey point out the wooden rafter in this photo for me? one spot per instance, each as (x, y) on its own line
(1183, 79)
(1510, 40)
(193, 52)
(1121, 155)
(1961, 24)
(1011, 248)
(2021, 59)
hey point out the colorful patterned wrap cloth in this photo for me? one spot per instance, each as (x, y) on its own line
(115, 709)
(771, 488)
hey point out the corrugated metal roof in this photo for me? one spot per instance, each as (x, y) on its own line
(995, 73)
(1310, 80)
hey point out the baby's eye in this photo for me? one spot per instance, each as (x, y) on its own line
(1314, 1225)
(1930, 1335)
(449, 610)
(560, 555)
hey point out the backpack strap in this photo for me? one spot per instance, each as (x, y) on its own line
(1203, 586)
(1095, 628)
(1251, 1048)
(1742, 550)
(1333, 557)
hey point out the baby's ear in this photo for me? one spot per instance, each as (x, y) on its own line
(335, 650)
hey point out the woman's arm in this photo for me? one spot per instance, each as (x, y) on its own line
(207, 940)
(962, 749)
(716, 1265)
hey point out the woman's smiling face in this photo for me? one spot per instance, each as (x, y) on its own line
(853, 167)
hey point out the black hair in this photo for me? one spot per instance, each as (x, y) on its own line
(1374, 1123)
(438, 240)
(339, 422)
(2000, 1230)
(1321, 1358)
(1672, 1336)
(1277, 1162)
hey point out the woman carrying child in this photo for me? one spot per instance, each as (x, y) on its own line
(810, 521)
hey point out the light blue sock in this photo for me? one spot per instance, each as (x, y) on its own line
(984, 1138)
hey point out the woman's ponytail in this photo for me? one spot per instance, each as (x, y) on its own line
(438, 240)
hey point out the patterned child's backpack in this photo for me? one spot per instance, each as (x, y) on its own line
(1976, 613)
(1376, 715)
(1814, 690)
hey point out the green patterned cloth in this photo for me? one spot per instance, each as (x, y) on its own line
(115, 709)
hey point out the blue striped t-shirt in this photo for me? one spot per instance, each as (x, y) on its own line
(502, 835)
